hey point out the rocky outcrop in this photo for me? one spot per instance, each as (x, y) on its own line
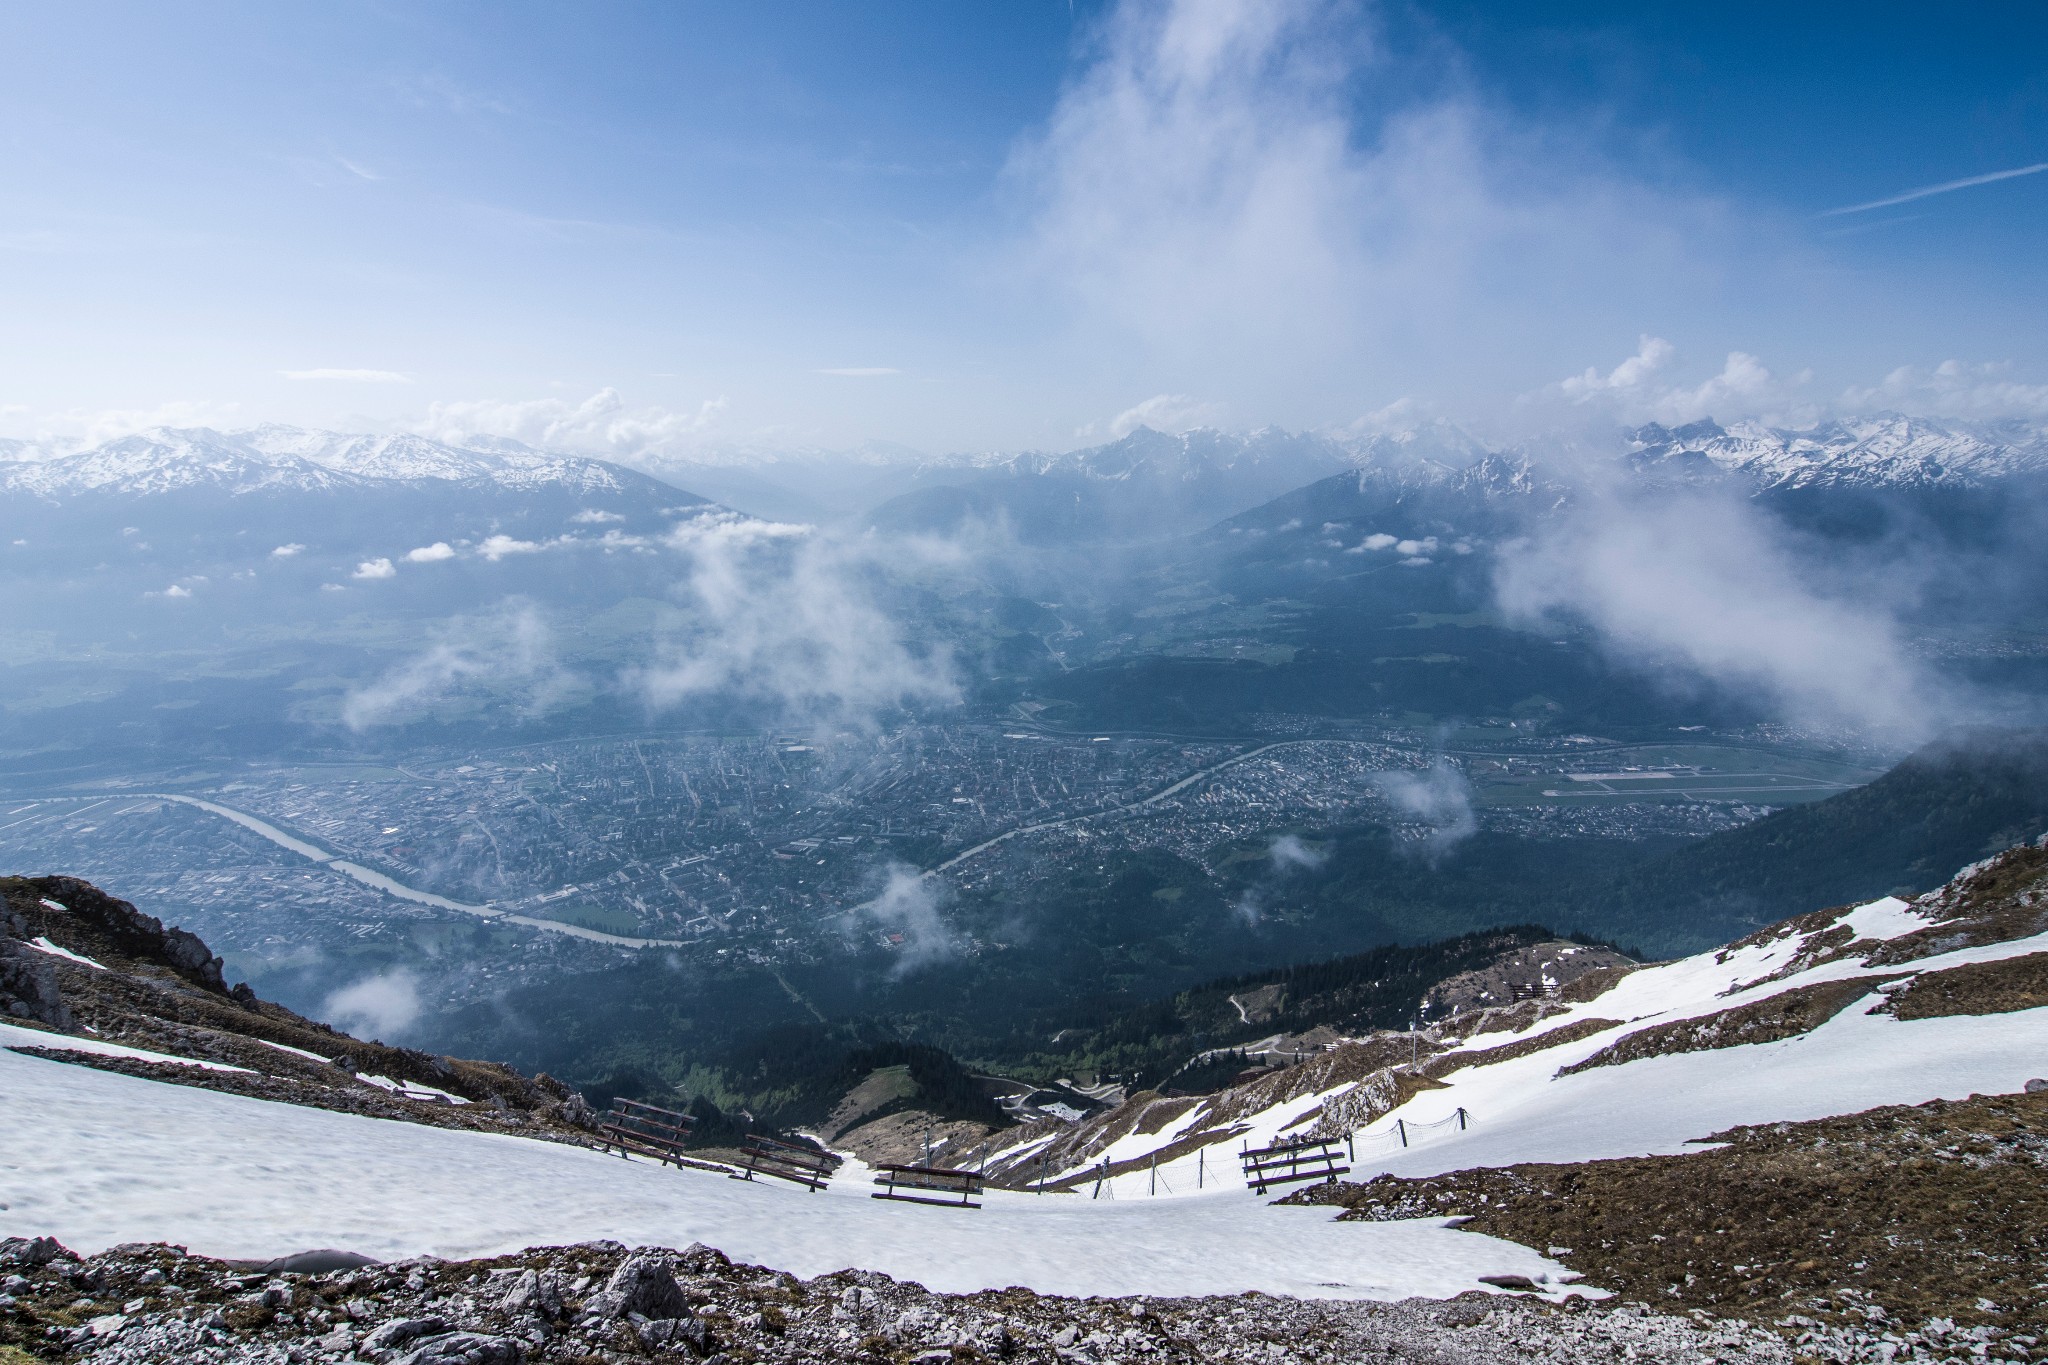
(28, 987)
(146, 1305)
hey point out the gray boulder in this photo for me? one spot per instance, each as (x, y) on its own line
(396, 1333)
(532, 1295)
(643, 1284)
(28, 986)
(467, 1348)
(32, 1251)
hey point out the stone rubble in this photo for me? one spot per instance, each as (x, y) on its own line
(600, 1303)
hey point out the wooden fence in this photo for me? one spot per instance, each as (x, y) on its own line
(1286, 1163)
(806, 1166)
(647, 1129)
(930, 1185)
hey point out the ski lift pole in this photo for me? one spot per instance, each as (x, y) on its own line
(1401, 1127)
(1155, 1177)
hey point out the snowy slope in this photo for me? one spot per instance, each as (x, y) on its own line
(1521, 1109)
(97, 1159)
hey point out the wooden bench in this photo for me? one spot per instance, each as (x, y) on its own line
(1285, 1163)
(647, 1129)
(806, 1166)
(930, 1185)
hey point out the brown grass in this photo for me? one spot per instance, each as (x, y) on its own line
(1927, 1211)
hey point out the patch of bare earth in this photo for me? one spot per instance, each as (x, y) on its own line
(2015, 983)
(1891, 1217)
(1785, 1015)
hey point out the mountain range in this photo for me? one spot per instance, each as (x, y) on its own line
(1179, 481)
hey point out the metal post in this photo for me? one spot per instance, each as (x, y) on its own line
(1350, 1154)
(1461, 1118)
(1401, 1127)
(1155, 1177)
(1201, 1153)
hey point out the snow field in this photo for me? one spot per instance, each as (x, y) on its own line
(1522, 1111)
(95, 1159)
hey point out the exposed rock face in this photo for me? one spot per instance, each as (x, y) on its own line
(127, 930)
(160, 989)
(28, 986)
(1539, 971)
(646, 1285)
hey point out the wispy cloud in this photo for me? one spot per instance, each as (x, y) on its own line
(508, 654)
(350, 376)
(908, 908)
(1705, 585)
(788, 616)
(862, 371)
(1945, 187)
(1243, 195)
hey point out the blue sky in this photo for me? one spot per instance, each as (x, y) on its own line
(660, 228)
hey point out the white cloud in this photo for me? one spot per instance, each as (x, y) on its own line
(786, 615)
(377, 1007)
(1652, 353)
(1953, 388)
(60, 433)
(1439, 798)
(1702, 584)
(1169, 412)
(287, 551)
(600, 425)
(591, 516)
(1635, 391)
(495, 548)
(177, 590)
(908, 905)
(350, 376)
(1290, 854)
(1248, 196)
(375, 568)
(431, 554)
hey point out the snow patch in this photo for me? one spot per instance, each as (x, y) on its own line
(42, 944)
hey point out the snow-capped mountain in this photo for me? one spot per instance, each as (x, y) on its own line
(280, 459)
(1886, 450)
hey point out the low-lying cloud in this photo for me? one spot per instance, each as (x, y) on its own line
(507, 654)
(1704, 585)
(377, 1007)
(1439, 797)
(787, 615)
(908, 905)
(1289, 854)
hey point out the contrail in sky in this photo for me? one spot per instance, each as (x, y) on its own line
(1942, 188)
